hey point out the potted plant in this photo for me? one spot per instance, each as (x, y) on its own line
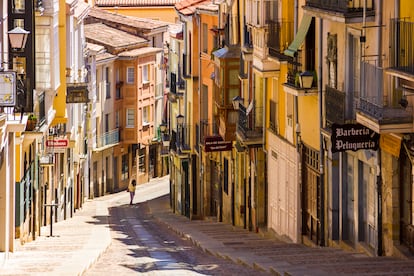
(31, 122)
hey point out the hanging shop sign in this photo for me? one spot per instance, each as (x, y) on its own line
(77, 93)
(57, 145)
(391, 143)
(216, 143)
(353, 137)
(8, 88)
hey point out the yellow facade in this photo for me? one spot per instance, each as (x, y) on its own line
(59, 102)
(309, 120)
(406, 9)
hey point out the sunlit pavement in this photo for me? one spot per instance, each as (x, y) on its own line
(79, 241)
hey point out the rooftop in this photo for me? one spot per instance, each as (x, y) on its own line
(189, 7)
(114, 40)
(139, 26)
(135, 3)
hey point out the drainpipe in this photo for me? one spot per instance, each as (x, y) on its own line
(321, 138)
(200, 94)
(297, 130)
(379, 178)
(264, 150)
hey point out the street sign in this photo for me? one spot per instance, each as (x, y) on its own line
(353, 137)
(57, 145)
(216, 143)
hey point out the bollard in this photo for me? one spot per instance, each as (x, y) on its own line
(51, 216)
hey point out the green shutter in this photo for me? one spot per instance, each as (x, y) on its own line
(300, 36)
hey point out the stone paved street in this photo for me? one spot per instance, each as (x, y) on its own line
(80, 241)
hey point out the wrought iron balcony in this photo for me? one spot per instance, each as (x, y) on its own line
(181, 141)
(402, 48)
(345, 8)
(177, 87)
(247, 130)
(381, 111)
(280, 33)
(109, 138)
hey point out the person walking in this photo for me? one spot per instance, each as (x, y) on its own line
(131, 189)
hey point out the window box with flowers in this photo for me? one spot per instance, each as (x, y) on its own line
(31, 122)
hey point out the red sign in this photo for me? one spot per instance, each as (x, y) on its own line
(57, 143)
(216, 143)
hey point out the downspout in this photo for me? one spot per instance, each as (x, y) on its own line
(379, 176)
(321, 138)
(264, 152)
(297, 130)
(200, 94)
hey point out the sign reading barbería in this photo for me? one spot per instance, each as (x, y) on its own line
(353, 137)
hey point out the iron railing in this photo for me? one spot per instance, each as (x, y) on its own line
(402, 48)
(342, 6)
(280, 34)
(246, 124)
(374, 102)
(109, 138)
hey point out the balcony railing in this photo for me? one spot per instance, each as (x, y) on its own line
(375, 103)
(247, 43)
(246, 124)
(182, 140)
(109, 138)
(279, 35)
(347, 7)
(402, 48)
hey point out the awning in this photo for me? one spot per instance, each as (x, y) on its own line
(300, 36)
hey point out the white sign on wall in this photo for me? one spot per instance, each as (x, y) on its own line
(7, 88)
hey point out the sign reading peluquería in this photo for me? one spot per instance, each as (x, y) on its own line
(353, 137)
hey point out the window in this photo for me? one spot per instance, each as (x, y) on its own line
(271, 11)
(124, 173)
(19, 6)
(118, 85)
(141, 158)
(130, 75)
(272, 119)
(145, 115)
(117, 119)
(204, 102)
(130, 118)
(205, 38)
(145, 73)
(107, 83)
(106, 122)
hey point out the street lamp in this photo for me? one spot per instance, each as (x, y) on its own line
(237, 101)
(306, 79)
(163, 127)
(180, 119)
(165, 137)
(18, 37)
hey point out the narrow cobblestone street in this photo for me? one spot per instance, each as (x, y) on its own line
(143, 245)
(110, 237)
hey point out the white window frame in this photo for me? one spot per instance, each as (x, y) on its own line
(145, 73)
(130, 75)
(130, 118)
(145, 115)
